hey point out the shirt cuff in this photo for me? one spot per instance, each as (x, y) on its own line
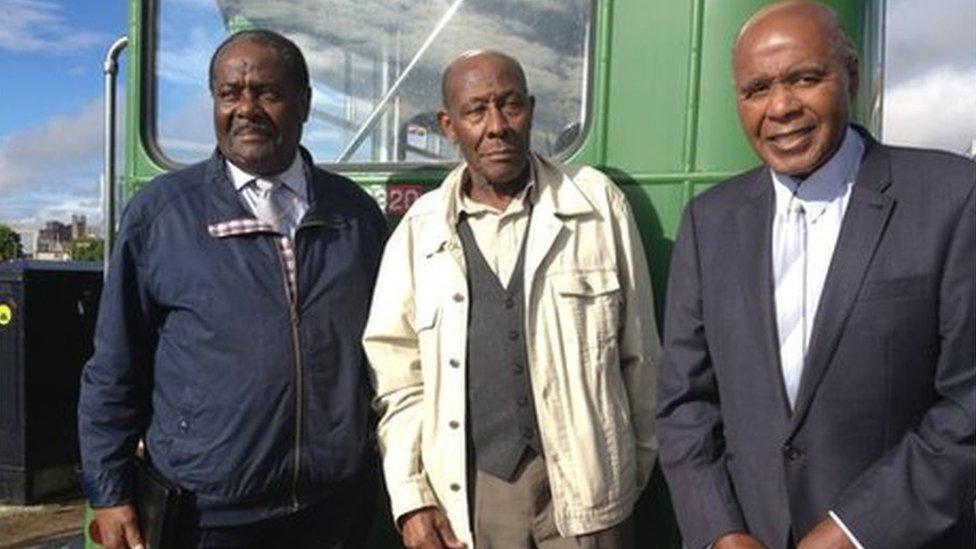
(847, 532)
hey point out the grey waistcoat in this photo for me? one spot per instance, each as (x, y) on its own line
(501, 409)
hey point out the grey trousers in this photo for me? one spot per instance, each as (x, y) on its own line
(517, 515)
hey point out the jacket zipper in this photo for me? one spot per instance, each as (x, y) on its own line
(299, 381)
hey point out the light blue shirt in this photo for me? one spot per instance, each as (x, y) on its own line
(824, 195)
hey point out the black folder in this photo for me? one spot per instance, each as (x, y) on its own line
(158, 504)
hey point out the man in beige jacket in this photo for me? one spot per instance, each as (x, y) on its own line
(512, 339)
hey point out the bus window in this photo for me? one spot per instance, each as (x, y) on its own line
(375, 67)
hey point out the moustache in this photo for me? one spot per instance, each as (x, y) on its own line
(248, 127)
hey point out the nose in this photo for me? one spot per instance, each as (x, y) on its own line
(247, 105)
(497, 122)
(783, 102)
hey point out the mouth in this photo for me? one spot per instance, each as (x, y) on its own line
(252, 133)
(791, 139)
(502, 155)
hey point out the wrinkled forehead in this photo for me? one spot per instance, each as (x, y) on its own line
(484, 71)
(795, 41)
(248, 56)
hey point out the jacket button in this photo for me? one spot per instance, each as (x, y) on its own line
(791, 452)
(184, 425)
(517, 369)
(513, 335)
(509, 303)
(455, 487)
(455, 363)
(458, 298)
(522, 401)
(527, 433)
(453, 424)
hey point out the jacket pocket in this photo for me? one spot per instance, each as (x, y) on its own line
(895, 288)
(588, 305)
(426, 316)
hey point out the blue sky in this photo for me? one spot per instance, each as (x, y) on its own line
(51, 55)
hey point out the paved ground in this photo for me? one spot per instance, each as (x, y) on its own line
(49, 526)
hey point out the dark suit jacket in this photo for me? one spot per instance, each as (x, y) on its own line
(883, 430)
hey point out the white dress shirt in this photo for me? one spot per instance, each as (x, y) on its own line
(824, 195)
(291, 196)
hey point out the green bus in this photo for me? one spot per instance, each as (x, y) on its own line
(641, 89)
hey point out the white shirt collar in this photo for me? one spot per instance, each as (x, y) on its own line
(827, 183)
(294, 177)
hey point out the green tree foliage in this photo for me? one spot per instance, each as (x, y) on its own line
(88, 248)
(10, 247)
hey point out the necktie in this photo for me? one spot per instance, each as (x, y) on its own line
(789, 269)
(267, 207)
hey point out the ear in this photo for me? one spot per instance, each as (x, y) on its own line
(306, 103)
(447, 125)
(853, 80)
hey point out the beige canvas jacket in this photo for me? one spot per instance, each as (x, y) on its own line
(591, 339)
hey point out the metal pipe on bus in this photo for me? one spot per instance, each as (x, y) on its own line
(381, 106)
(110, 69)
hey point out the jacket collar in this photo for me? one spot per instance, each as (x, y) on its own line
(556, 194)
(227, 216)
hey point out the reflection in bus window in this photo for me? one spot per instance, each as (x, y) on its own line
(375, 67)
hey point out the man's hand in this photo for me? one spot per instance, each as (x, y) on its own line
(116, 528)
(738, 540)
(428, 528)
(826, 535)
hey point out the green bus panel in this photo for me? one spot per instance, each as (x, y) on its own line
(648, 86)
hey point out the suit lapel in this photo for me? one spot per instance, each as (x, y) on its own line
(754, 241)
(864, 223)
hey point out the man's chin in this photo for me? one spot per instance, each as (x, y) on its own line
(261, 162)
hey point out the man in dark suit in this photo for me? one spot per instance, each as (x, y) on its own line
(818, 388)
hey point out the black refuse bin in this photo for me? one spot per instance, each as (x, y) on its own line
(47, 320)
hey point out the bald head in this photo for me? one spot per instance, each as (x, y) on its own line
(787, 14)
(503, 62)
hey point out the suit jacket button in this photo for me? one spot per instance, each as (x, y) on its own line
(791, 452)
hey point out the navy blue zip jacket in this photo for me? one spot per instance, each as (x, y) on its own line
(255, 405)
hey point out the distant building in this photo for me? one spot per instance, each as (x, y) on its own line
(79, 227)
(53, 241)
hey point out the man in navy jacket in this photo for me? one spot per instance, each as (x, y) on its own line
(229, 329)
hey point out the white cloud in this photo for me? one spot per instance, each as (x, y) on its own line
(59, 144)
(185, 55)
(39, 25)
(924, 36)
(52, 170)
(937, 109)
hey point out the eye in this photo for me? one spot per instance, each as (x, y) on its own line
(754, 90)
(513, 106)
(475, 111)
(228, 94)
(807, 79)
